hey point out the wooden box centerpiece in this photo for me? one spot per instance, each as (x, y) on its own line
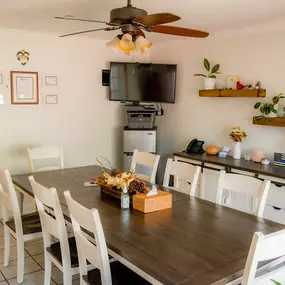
(113, 182)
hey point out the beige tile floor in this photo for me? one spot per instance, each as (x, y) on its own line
(34, 265)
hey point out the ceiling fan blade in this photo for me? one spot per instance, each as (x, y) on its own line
(81, 20)
(83, 32)
(157, 19)
(177, 31)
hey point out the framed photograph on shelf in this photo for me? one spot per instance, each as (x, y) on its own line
(51, 99)
(24, 87)
(51, 80)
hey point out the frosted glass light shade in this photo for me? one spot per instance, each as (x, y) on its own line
(143, 44)
(126, 43)
(113, 44)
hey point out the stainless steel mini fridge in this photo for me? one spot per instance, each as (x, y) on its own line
(140, 139)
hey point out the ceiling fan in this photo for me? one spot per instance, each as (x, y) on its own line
(133, 22)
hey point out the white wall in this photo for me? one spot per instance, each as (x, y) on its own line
(259, 57)
(84, 122)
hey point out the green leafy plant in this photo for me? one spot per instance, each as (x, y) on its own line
(212, 72)
(268, 108)
(275, 282)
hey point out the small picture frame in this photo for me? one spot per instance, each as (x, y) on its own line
(51, 80)
(24, 87)
(1, 78)
(51, 99)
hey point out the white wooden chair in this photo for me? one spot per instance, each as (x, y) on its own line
(246, 185)
(63, 253)
(182, 172)
(146, 159)
(264, 248)
(21, 227)
(53, 155)
(97, 254)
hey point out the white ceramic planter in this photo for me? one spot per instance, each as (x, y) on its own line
(209, 83)
(271, 115)
(237, 150)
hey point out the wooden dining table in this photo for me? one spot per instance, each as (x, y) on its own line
(194, 242)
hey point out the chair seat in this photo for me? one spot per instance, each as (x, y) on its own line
(55, 251)
(121, 275)
(31, 223)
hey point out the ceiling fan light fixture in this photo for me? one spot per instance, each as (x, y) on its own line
(143, 44)
(113, 44)
(126, 43)
(135, 51)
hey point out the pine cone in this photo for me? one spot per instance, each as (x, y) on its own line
(136, 186)
(115, 172)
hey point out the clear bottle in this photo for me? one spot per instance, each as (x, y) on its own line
(125, 199)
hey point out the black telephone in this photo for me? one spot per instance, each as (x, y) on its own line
(195, 146)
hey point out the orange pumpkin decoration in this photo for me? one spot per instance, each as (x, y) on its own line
(212, 150)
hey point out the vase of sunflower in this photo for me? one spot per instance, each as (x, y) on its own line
(237, 135)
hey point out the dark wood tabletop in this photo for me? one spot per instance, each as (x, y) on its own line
(241, 164)
(195, 242)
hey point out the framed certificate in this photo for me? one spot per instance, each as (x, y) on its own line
(24, 87)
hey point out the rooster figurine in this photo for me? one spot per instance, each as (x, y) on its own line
(240, 86)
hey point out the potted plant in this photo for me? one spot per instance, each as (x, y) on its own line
(210, 77)
(268, 110)
(237, 134)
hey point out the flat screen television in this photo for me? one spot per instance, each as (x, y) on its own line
(141, 82)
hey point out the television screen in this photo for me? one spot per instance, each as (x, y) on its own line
(140, 82)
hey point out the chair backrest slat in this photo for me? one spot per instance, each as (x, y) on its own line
(53, 225)
(246, 185)
(97, 254)
(182, 172)
(149, 160)
(5, 199)
(9, 200)
(263, 248)
(45, 153)
(91, 252)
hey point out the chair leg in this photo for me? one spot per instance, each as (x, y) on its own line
(21, 260)
(47, 269)
(67, 277)
(7, 242)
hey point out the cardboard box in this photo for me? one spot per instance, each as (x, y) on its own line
(161, 201)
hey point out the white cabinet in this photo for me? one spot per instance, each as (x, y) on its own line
(274, 214)
(275, 203)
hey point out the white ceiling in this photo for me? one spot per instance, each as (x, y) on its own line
(214, 16)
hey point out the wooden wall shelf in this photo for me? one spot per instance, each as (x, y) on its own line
(270, 122)
(245, 93)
